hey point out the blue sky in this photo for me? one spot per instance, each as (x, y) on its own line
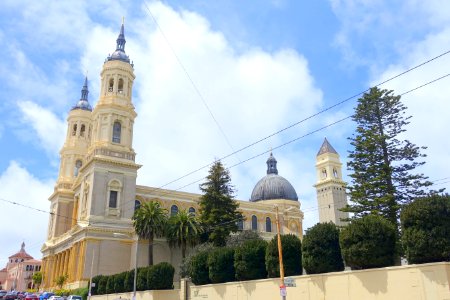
(259, 66)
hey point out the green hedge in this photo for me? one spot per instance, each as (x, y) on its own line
(110, 285)
(368, 242)
(141, 282)
(292, 256)
(320, 249)
(198, 269)
(426, 229)
(119, 282)
(249, 260)
(129, 281)
(102, 285)
(160, 277)
(221, 265)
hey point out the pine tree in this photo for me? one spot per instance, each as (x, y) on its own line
(382, 165)
(218, 209)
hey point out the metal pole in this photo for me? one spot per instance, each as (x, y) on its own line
(135, 268)
(92, 268)
(280, 254)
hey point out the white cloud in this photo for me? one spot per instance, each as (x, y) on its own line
(23, 224)
(49, 129)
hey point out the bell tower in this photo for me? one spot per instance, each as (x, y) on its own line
(109, 177)
(73, 157)
(330, 187)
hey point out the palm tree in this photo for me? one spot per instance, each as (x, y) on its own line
(183, 230)
(150, 221)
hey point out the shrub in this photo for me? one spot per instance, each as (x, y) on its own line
(292, 256)
(241, 237)
(369, 242)
(160, 277)
(141, 281)
(186, 263)
(198, 269)
(101, 290)
(320, 249)
(129, 281)
(110, 285)
(221, 265)
(119, 282)
(83, 292)
(96, 280)
(249, 260)
(426, 229)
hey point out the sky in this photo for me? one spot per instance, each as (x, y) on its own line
(211, 78)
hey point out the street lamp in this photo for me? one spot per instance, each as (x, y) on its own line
(135, 261)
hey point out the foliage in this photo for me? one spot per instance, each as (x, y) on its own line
(129, 281)
(119, 282)
(83, 292)
(110, 285)
(221, 265)
(61, 280)
(249, 260)
(218, 209)
(292, 256)
(62, 292)
(101, 289)
(183, 230)
(320, 249)
(369, 242)
(96, 287)
(426, 229)
(198, 269)
(37, 278)
(141, 281)
(160, 277)
(149, 221)
(241, 237)
(186, 263)
(381, 164)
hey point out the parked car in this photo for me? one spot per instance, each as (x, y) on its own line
(46, 295)
(54, 297)
(31, 297)
(2, 294)
(74, 297)
(10, 296)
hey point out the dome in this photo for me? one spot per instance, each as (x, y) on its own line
(273, 186)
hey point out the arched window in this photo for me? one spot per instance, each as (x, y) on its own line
(173, 210)
(192, 211)
(254, 223)
(137, 204)
(111, 85)
(120, 89)
(324, 173)
(240, 224)
(82, 129)
(117, 129)
(335, 173)
(74, 130)
(268, 225)
(114, 195)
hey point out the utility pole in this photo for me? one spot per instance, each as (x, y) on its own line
(90, 279)
(280, 258)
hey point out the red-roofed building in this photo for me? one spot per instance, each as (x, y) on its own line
(19, 271)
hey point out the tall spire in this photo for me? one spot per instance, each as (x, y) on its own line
(272, 165)
(326, 148)
(119, 54)
(83, 103)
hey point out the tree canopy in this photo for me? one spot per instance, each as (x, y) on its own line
(381, 164)
(218, 210)
(183, 230)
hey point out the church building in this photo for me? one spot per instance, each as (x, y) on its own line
(90, 230)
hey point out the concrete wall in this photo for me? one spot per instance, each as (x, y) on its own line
(427, 281)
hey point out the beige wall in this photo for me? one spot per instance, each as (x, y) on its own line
(427, 281)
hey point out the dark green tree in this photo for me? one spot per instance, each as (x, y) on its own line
(102, 281)
(368, 242)
(426, 229)
(292, 256)
(320, 249)
(198, 268)
(160, 276)
(381, 164)
(218, 210)
(110, 285)
(183, 230)
(249, 260)
(242, 237)
(129, 281)
(149, 221)
(37, 279)
(119, 282)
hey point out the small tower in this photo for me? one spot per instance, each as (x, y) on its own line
(330, 187)
(73, 157)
